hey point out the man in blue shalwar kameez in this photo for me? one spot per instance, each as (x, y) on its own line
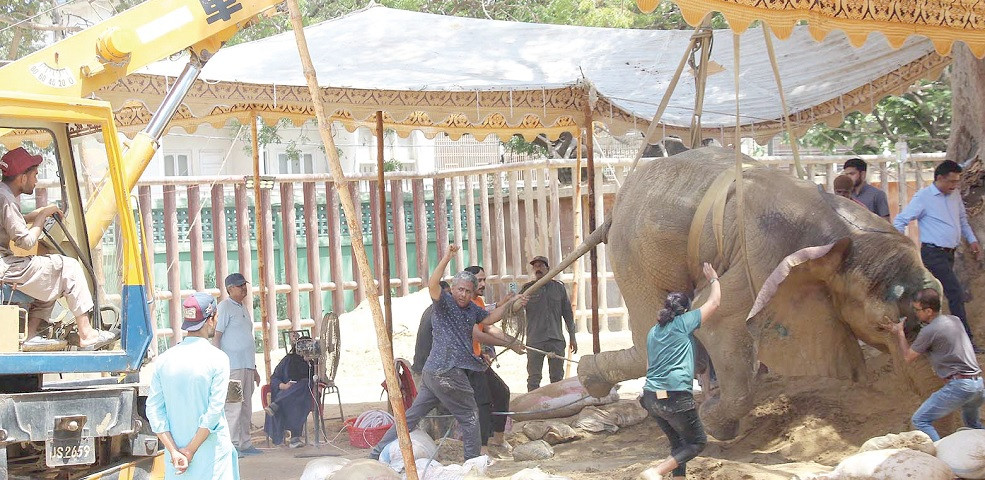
(187, 396)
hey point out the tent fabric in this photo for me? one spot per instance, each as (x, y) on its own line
(483, 77)
(942, 21)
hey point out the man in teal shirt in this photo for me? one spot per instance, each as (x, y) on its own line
(187, 395)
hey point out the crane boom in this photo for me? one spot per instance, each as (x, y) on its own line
(114, 48)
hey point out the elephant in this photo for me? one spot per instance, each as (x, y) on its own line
(804, 276)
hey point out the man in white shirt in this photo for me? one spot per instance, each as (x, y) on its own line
(234, 336)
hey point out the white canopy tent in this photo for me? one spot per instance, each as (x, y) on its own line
(462, 75)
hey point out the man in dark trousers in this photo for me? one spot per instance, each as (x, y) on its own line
(545, 310)
(445, 377)
(940, 213)
(948, 348)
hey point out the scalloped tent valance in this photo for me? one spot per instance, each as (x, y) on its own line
(942, 21)
(458, 75)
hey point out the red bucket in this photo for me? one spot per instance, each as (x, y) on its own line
(365, 437)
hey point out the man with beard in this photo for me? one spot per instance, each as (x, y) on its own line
(187, 395)
(491, 392)
(545, 310)
(869, 196)
(45, 278)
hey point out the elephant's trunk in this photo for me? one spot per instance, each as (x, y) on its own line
(600, 372)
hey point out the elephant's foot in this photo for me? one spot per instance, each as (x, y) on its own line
(717, 419)
(599, 373)
(591, 378)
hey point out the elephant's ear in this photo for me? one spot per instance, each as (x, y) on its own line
(795, 323)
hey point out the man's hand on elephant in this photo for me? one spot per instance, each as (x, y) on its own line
(709, 272)
(889, 325)
(573, 346)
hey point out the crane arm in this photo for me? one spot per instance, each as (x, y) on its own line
(114, 48)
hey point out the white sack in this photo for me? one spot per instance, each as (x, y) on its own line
(964, 452)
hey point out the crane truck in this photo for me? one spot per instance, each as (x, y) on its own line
(79, 414)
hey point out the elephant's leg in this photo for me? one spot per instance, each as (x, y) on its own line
(599, 373)
(730, 347)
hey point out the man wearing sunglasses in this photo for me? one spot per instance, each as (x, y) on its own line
(947, 346)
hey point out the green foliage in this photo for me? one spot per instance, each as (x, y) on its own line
(17, 41)
(921, 117)
(517, 144)
(391, 165)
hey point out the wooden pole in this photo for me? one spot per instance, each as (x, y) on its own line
(194, 215)
(219, 244)
(385, 254)
(382, 339)
(577, 231)
(593, 255)
(261, 267)
(312, 248)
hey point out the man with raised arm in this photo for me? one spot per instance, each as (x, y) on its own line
(444, 378)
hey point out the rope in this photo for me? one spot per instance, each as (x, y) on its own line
(739, 188)
(783, 103)
(373, 419)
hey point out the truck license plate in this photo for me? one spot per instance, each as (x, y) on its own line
(77, 451)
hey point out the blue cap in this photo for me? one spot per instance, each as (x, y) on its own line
(195, 310)
(235, 280)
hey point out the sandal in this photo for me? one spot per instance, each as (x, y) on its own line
(103, 339)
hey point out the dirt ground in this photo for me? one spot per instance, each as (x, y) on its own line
(798, 425)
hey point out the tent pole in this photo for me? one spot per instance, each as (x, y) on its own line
(358, 246)
(577, 230)
(385, 258)
(702, 46)
(261, 268)
(592, 222)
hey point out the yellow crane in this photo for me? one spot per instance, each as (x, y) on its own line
(67, 429)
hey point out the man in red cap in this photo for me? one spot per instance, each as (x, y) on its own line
(43, 277)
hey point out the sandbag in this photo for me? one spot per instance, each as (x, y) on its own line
(557, 400)
(609, 418)
(915, 440)
(964, 452)
(551, 431)
(890, 464)
(535, 450)
(323, 468)
(424, 448)
(472, 468)
(364, 469)
(535, 474)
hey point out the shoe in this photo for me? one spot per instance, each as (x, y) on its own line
(246, 452)
(103, 339)
(38, 343)
(295, 443)
(271, 409)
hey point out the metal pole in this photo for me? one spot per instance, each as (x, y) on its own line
(385, 271)
(260, 266)
(593, 255)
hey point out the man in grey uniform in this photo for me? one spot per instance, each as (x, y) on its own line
(545, 310)
(234, 336)
(45, 278)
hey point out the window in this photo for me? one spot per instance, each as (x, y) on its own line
(302, 163)
(176, 165)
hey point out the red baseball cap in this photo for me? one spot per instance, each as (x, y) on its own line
(18, 161)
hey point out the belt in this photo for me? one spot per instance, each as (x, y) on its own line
(963, 377)
(931, 245)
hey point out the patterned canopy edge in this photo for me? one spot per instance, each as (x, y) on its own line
(500, 113)
(942, 21)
